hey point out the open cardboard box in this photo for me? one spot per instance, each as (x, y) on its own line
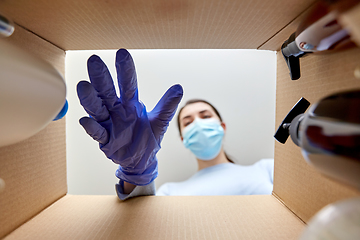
(35, 203)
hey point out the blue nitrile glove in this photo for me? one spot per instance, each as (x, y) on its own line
(127, 134)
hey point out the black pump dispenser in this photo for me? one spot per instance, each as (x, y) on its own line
(282, 133)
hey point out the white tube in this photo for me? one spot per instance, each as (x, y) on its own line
(32, 93)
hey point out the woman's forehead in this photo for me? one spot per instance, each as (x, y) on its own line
(194, 108)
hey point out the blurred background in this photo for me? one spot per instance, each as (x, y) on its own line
(239, 83)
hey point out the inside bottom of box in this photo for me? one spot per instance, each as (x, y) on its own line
(188, 217)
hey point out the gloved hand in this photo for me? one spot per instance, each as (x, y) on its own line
(127, 134)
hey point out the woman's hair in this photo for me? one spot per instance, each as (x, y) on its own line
(191, 101)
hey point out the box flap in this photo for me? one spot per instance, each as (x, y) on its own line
(155, 24)
(297, 184)
(212, 217)
(34, 170)
(349, 20)
(275, 42)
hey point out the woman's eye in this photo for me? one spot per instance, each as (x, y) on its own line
(207, 116)
(187, 123)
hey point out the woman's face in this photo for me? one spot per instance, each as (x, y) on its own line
(196, 110)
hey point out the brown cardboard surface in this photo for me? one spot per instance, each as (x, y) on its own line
(144, 24)
(34, 170)
(296, 183)
(275, 42)
(39, 47)
(350, 20)
(216, 217)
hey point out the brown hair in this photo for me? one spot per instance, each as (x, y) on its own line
(191, 101)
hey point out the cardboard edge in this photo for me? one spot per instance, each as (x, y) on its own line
(288, 208)
(28, 220)
(31, 42)
(290, 27)
(37, 35)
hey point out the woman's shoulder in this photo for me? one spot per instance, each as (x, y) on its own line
(164, 189)
(171, 188)
(262, 166)
(265, 162)
(267, 165)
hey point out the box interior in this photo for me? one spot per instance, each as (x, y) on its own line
(35, 170)
(104, 217)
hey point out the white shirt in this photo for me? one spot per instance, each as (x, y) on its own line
(225, 179)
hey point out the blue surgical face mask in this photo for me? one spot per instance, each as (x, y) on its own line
(204, 138)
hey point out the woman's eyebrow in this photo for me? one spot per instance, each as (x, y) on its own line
(188, 116)
(204, 111)
(201, 112)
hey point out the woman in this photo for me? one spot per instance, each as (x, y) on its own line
(131, 137)
(202, 130)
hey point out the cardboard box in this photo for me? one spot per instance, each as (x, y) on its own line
(35, 203)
